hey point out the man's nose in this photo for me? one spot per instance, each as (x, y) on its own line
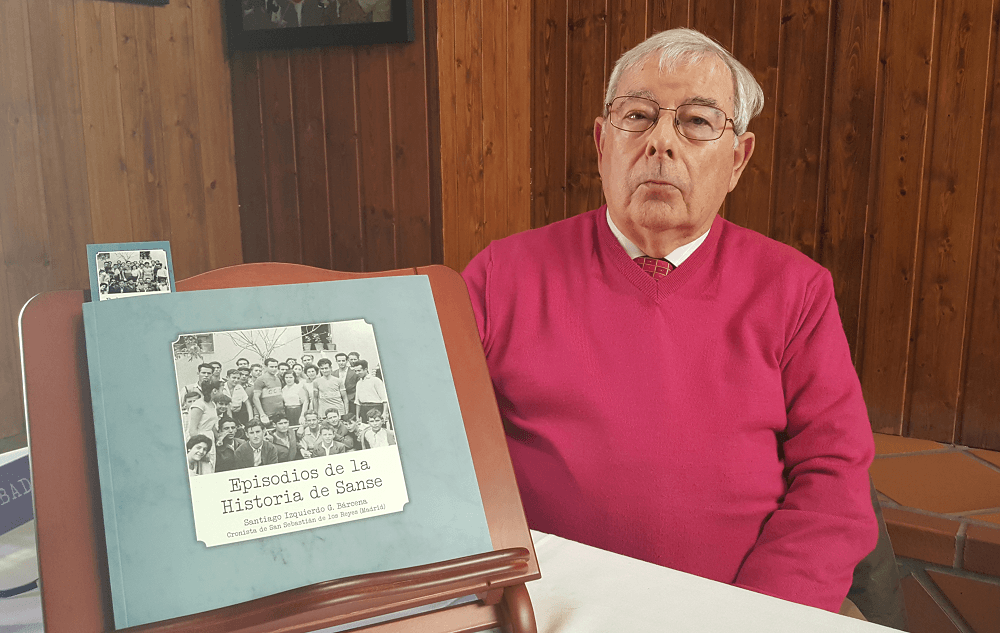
(663, 137)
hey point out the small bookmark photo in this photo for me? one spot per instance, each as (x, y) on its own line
(129, 269)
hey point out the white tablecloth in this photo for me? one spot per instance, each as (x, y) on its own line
(582, 590)
(19, 566)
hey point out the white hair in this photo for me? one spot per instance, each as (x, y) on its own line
(691, 46)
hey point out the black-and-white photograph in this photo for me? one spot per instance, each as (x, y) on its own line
(317, 338)
(276, 14)
(270, 24)
(132, 273)
(282, 435)
(266, 396)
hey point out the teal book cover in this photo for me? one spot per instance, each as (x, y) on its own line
(256, 440)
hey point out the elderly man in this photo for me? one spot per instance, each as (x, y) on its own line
(676, 388)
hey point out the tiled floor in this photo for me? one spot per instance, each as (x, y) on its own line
(941, 504)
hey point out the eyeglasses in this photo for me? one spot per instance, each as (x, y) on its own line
(692, 120)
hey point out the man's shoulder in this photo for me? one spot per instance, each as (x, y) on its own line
(563, 237)
(765, 255)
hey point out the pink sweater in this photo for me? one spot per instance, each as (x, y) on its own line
(660, 419)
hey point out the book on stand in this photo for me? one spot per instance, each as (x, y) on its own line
(192, 528)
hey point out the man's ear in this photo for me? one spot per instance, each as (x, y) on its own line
(599, 137)
(745, 144)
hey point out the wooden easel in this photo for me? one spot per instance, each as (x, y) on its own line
(71, 546)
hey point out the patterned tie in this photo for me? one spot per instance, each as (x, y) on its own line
(657, 268)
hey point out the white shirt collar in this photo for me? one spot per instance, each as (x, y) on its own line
(676, 256)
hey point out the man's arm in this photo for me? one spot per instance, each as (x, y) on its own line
(308, 404)
(242, 458)
(810, 545)
(269, 454)
(344, 438)
(257, 405)
(476, 275)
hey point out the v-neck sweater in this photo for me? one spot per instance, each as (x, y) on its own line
(710, 421)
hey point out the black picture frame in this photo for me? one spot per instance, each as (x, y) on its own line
(251, 26)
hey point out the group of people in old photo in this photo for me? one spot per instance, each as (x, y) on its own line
(255, 414)
(129, 272)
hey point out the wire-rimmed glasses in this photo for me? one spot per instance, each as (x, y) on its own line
(692, 120)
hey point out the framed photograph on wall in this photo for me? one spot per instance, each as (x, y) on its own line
(266, 24)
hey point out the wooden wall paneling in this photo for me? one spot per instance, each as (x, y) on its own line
(143, 124)
(310, 155)
(895, 217)
(468, 213)
(755, 44)
(519, 67)
(22, 230)
(52, 25)
(980, 404)
(850, 145)
(248, 136)
(23, 234)
(218, 157)
(801, 106)
(626, 28)
(548, 112)
(952, 197)
(284, 223)
(585, 96)
(667, 14)
(10, 365)
(100, 100)
(874, 193)
(86, 148)
(448, 75)
(189, 239)
(15, 110)
(340, 103)
(410, 126)
(494, 100)
(377, 172)
(714, 18)
(434, 154)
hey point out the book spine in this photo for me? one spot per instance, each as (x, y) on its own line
(91, 327)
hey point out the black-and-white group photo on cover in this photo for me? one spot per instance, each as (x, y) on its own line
(256, 397)
(285, 428)
(132, 273)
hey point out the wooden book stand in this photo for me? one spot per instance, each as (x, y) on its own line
(76, 595)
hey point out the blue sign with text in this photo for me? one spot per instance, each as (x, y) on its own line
(15, 490)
